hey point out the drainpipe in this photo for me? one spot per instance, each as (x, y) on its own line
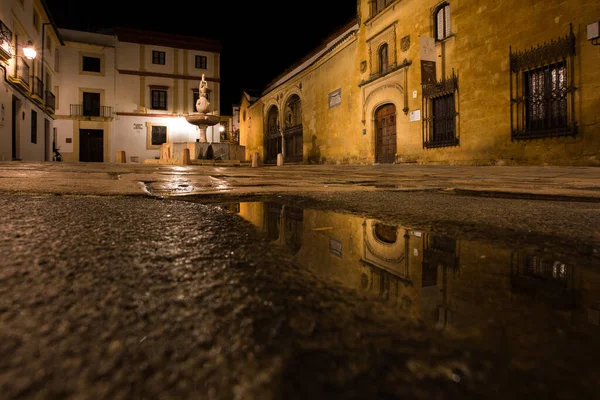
(42, 57)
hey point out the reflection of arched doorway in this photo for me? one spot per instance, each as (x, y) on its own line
(385, 134)
(293, 129)
(272, 136)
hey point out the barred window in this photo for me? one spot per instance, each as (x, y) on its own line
(439, 121)
(542, 90)
(546, 93)
(442, 17)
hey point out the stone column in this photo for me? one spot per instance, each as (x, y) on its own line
(203, 133)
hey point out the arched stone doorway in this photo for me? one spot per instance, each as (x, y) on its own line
(385, 134)
(292, 132)
(272, 136)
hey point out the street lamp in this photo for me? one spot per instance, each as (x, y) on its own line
(221, 130)
(28, 51)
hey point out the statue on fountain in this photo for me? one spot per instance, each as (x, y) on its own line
(204, 117)
(202, 104)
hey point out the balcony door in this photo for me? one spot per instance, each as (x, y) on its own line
(91, 145)
(91, 104)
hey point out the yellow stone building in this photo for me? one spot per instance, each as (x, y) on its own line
(460, 82)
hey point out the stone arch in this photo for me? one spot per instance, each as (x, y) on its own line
(292, 127)
(385, 94)
(272, 134)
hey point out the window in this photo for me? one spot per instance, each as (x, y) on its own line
(158, 98)
(378, 5)
(383, 58)
(33, 126)
(442, 19)
(439, 121)
(158, 57)
(546, 94)
(542, 90)
(91, 64)
(201, 62)
(36, 20)
(91, 104)
(157, 135)
(48, 43)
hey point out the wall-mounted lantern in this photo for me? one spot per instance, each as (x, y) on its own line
(28, 51)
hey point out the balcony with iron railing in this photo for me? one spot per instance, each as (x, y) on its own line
(89, 111)
(5, 42)
(22, 75)
(50, 101)
(37, 91)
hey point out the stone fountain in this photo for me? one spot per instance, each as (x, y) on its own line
(204, 117)
(201, 150)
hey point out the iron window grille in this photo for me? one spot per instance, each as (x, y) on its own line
(541, 90)
(159, 135)
(158, 57)
(439, 109)
(442, 22)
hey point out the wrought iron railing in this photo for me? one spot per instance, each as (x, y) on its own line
(50, 100)
(85, 110)
(22, 71)
(541, 90)
(439, 119)
(38, 87)
(5, 42)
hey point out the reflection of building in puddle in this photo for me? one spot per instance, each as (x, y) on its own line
(447, 282)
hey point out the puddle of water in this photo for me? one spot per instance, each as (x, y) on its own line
(467, 287)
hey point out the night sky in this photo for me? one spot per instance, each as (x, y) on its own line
(288, 31)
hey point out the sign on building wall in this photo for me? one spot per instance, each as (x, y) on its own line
(138, 126)
(335, 98)
(415, 115)
(427, 45)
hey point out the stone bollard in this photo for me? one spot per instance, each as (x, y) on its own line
(279, 159)
(185, 156)
(121, 158)
(255, 159)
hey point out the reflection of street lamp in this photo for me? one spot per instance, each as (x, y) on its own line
(221, 130)
(28, 51)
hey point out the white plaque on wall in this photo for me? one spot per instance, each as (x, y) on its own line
(415, 115)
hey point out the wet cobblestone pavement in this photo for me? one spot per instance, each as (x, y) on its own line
(143, 298)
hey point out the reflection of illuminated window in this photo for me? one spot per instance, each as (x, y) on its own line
(272, 223)
(439, 251)
(293, 228)
(386, 233)
(538, 267)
